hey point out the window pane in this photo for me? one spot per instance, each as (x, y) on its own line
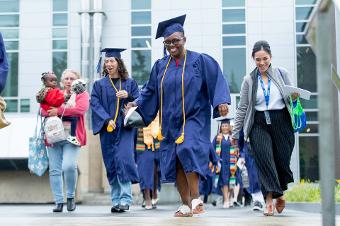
(141, 4)
(60, 19)
(310, 104)
(59, 32)
(7, 6)
(59, 5)
(234, 67)
(312, 116)
(9, 33)
(234, 28)
(59, 44)
(232, 15)
(141, 31)
(310, 128)
(141, 17)
(12, 105)
(309, 158)
(301, 39)
(300, 26)
(141, 42)
(9, 20)
(303, 13)
(233, 3)
(12, 45)
(59, 63)
(11, 88)
(306, 68)
(234, 41)
(25, 105)
(141, 65)
(305, 2)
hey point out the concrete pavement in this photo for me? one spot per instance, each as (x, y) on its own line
(41, 215)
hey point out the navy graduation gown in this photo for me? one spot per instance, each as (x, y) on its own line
(118, 146)
(205, 86)
(3, 64)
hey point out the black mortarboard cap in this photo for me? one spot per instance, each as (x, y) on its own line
(223, 120)
(168, 27)
(109, 52)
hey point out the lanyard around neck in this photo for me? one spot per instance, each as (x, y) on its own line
(266, 93)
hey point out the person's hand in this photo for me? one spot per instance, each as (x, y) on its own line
(233, 141)
(223, 109)
(122, 94)
(112, 124)
(294, 96)
(128, 106)
(52, 112)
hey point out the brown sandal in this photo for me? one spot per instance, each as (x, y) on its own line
(280, 205)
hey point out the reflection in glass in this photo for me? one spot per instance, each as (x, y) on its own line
(303, 13)
(9, 6)
(10, 33)
(25, 105)
(305, 2)
(141, 65)
(140, 42)
(141, 17)
(141, 4)
(233, 3)
(141, 31)
(311, 116)
(309, 157)
(300, 26)
(9, 20)
(59, 32)
(60, 19)
(301, 39)
(233, 15)
(306, 68)
(312, 103)
(59, 63)
(59, 44)
(12, 105)
(234, 28)
(59, 5)
(12, 45)
(11, 88)
(234, 67)
(234, 41)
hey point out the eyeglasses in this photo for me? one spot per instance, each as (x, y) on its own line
(174, 42)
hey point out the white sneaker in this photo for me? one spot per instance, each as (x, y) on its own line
(257, 206)
(226, 205)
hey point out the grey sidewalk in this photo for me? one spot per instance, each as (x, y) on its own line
(41, 215)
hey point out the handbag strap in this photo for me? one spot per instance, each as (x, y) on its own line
(37, 122)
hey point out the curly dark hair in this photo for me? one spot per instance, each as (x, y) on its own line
(122, 71)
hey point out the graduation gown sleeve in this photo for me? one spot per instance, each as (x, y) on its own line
(3, 64)
(148, 102)
(99, 115)
(218, 88)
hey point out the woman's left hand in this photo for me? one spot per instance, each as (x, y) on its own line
(223, 109)
(53, 112)
(122, 94)
(295, 96)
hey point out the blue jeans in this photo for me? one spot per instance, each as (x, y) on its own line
(63, 159)
(120, 192)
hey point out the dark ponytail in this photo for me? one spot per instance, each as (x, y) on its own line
(261, 45)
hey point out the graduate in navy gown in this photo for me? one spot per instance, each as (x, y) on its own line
(182, 87)
(109, 95)
(147, 158)
(3, 64)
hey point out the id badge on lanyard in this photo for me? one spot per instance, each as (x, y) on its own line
(266, 98)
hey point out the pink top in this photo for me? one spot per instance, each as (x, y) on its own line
(79, 110)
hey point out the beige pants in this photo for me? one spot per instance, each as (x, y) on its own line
(3, 121)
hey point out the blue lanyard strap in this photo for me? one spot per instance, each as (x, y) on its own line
(266, 93)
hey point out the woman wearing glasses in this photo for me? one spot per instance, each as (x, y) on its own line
(183, 87)
(63, 155)
(108, 97)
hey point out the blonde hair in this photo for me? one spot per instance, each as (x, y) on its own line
(76, 73)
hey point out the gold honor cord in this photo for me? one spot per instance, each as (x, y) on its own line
(160, 137)
(109, 128)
